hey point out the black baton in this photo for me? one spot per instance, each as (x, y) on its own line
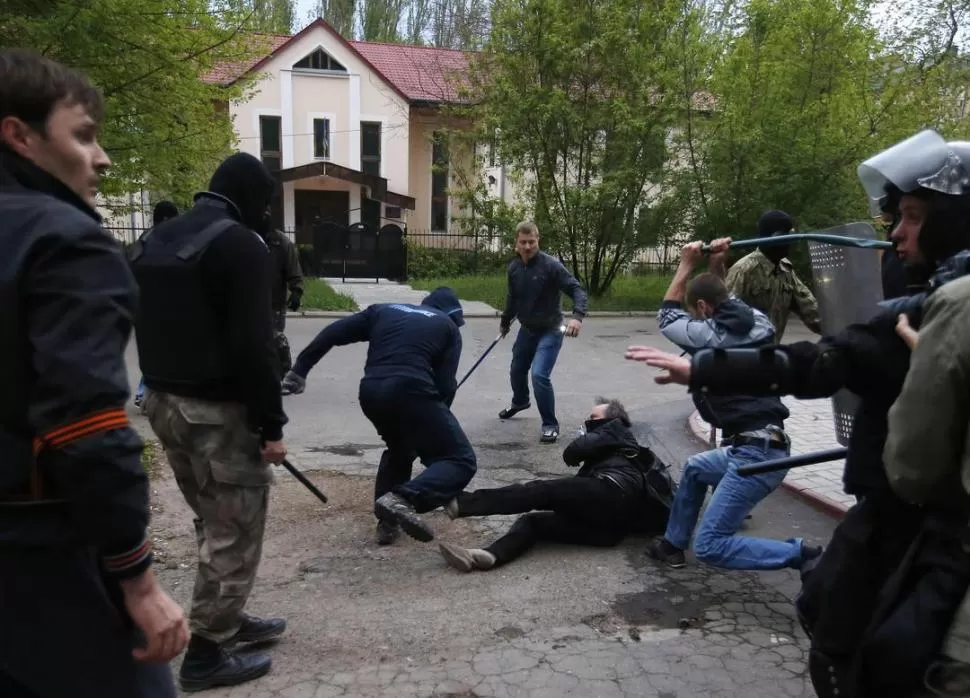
(770, 466)
(302, 478)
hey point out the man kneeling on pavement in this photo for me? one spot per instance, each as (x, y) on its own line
(607, 500)
(753, 429)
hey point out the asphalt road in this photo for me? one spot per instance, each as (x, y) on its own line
(562, 621)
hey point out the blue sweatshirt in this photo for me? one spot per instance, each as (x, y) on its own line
(421, 342)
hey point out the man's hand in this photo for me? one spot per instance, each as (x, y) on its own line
(294, 302)
(904, 330)
(160, 619)
(573, 327)
(677, 368)
(274, 452)
(691, 254)
(503, 329)
(293, 384)
(720, 247)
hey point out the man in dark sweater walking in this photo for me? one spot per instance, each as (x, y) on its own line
(535, 280)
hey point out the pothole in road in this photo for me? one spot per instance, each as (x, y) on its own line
(344, 449)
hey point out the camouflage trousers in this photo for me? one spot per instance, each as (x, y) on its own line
(217, 464)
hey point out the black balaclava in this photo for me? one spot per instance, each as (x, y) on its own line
(163, 211)
(246, 182)
(773, 223)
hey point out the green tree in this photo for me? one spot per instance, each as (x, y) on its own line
(803, 92)
(339, 14)
(379, 20)
(165, 129)
(583, 94)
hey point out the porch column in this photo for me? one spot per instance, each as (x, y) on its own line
(289, 206)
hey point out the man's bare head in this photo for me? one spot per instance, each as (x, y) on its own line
(51, 116)
(606, 408)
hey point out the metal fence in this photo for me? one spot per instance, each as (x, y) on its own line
(435, 254)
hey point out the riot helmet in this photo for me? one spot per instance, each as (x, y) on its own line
(926, 167)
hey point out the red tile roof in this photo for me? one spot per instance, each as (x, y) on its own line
(263, 44)
(418, 73)
(422, 73)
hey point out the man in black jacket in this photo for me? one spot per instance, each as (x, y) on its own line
(535, 281)
(606, 501)
(205, 344)
(840, 595)
(408, 385)
(287, 274)
(77, 592)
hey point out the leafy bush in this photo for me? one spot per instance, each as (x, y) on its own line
(435, 262)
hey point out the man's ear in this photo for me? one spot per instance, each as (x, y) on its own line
(16, 135)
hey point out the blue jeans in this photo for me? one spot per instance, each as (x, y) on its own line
(140, 392)
(716, 542)
(538, 350)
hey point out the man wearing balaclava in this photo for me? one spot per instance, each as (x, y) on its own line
(207, 353)
(766, 280)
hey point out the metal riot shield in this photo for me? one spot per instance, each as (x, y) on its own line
(848, 287)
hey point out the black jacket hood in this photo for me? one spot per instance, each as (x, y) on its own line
(245, 181)
(446, 300)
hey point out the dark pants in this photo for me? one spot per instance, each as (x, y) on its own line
(578, 510)
(538, 351)
(417, 425)
(841, 594)
(64, 633)
(282, 343)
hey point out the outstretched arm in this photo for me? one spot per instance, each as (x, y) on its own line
(348, 330)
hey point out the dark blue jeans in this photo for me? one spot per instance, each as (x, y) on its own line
(538, 351)
(415, 425)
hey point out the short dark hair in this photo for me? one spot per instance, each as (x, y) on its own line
(615, 410)
(706, 287)
(32, 85)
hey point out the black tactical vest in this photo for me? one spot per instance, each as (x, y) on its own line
(177, 331)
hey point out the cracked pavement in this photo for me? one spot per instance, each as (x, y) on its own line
(561, 621)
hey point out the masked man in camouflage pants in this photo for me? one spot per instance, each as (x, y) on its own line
(765, 279)
(206, 349)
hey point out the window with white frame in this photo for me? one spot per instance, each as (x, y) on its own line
(320, 60)
(321, 138)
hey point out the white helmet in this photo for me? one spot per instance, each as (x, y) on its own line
(922, 161)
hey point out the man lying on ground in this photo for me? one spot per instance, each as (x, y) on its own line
(607, 500)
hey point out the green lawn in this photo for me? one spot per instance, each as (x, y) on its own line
(629, 293)
(318, 295)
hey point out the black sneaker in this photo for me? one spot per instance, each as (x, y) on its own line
(661, 550)
(394, 508)
(549, 435)
(207, 665)
(810, 557)
(513, 410)
(255, 629)
(387, 532)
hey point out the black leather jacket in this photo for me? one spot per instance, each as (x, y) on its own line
(608, 451)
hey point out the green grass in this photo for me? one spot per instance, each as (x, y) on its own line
(629, 293)
(151, 459)
(318, 295)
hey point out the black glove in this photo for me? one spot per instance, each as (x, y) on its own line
(294, 302)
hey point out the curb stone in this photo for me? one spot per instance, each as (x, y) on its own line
(474, 315)
(701, 429)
